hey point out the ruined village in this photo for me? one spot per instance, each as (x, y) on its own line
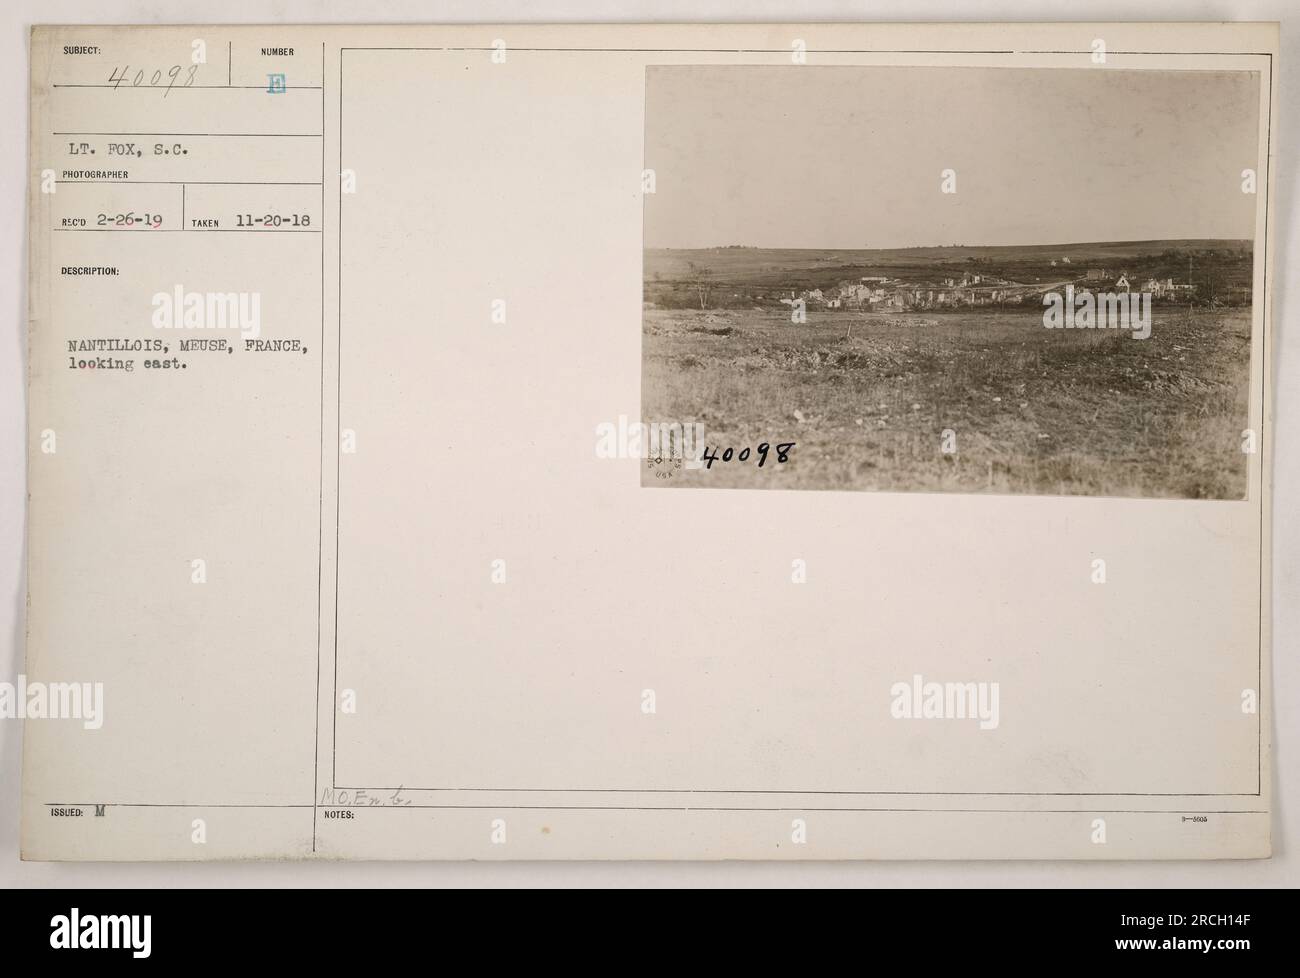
(897, 282)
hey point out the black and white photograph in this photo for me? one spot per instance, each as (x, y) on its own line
(951, 279)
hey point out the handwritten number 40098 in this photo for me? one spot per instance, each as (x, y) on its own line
(711, 455)
(143, 78)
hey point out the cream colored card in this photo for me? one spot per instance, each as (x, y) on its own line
(675, 442)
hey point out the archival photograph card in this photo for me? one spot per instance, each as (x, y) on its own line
(365, 364)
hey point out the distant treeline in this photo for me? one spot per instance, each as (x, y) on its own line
(1219, 275)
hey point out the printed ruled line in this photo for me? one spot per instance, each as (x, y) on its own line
(819, 791)
(242, 135)
(320, 479)
(188, 88)
(338, 448)
(203, 183)
(164, 804)
(811, 50)
(178, 230)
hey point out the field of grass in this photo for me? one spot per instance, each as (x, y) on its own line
(866, 399)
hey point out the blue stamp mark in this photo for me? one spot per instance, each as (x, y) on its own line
(275, 83)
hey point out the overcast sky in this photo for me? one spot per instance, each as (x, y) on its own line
(847, 157)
